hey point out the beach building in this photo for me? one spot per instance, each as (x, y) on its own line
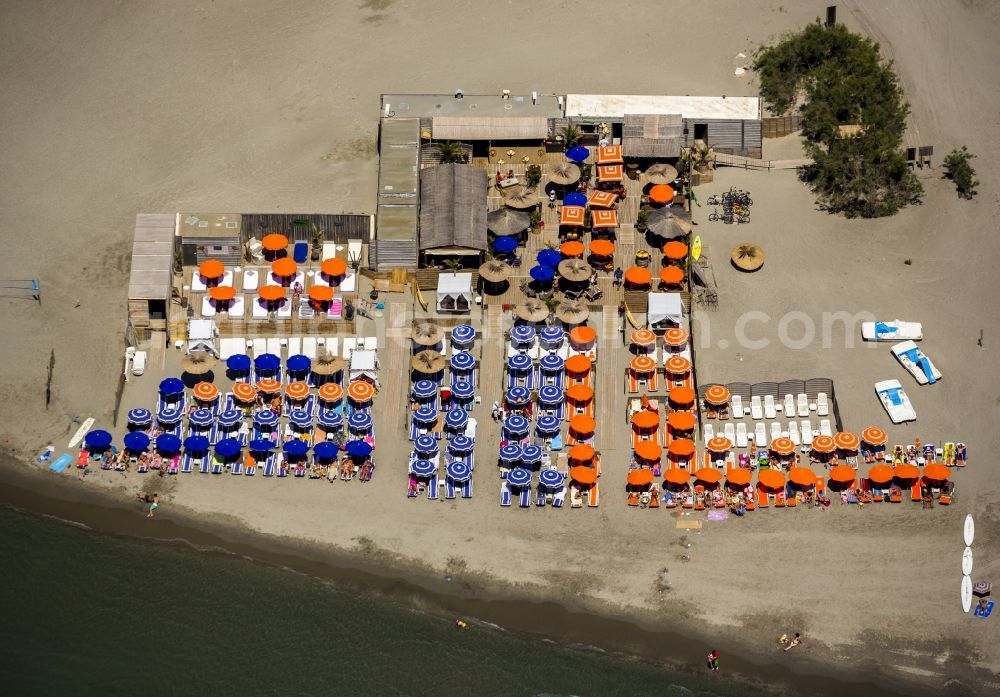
(149, 286)
(206, 236)
(453, 212)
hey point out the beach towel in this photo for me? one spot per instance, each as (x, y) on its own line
(61, 462)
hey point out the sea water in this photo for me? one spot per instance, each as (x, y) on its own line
(86, 613)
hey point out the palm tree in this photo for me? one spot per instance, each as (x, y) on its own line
(453, 265)
(450, 151)
(571, 135)
(703, 158)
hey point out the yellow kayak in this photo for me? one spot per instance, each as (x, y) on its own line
(696, 248)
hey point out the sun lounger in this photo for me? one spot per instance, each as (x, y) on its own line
(806, 433)
(741, 435)
(559, 498)
(333, 345)
(791, 499)
(187, 463)
(760, 435)
(730, 432)
(294, 345)
(174, 465)
(793, 433)
(825, 429)
(737, 404)
(779, 499)
(348, 347)
(504, 493)
(756, 410)
(770, 412)
(250, 467)
(709, 432)
(775, 430)
(524, 497)
(259, 346)
(217, 465)
(205, 464)
(594, 495)
(822, 405)
(803, 405)
(789, 406)
(762, 497)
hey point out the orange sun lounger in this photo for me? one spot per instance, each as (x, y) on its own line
(761, 498)
(594, 495)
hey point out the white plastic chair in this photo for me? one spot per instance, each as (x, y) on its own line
(730, 431)
(803, 404)
(807, 433)
(741, 435)
(769, 410)
(789, 406)
(756, 411)
(709, 432)
(793, 432)
(775, 430)
(737, 407)
(760, 435)
(824, 428)
(822, 405)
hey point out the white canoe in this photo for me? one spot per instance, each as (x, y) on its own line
(970, 530)
(966, 593)
(967, 561)
(80, 432)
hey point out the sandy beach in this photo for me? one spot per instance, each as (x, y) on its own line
(117, 108)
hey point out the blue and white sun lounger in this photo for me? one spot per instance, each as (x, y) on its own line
(915, 361)
(896, 330)
(237, 466)
(205, 465)
(449, 488)
(432, 487)
(559, 498)
(187, 463)
(525, 497)
(217, 465)
(467, 489)
(504, 493)
(270, 464)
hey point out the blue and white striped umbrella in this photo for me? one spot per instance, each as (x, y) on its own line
(552, 337)
(463, 362)
(230, 418)
(261, 445)
(298, 364)
(463, 334)
(425, 445)
(302, 419)
(267, 363)
(325, 450)
(330, 419)
(522, 334)
(201, 417)
(168, 443)
(458, 472)
(531, 454)
(519, 363)
(424, 389)
(463, 390)
(518, 396)
(550, 394)
(551, 363)
(425, 415)
(547, 425)
(136, 442)
(265, 418)
(359, 421)
(140, 417)
(515, 424)
(510, 453)
(519, 477)
(171, 386)
(551, 478)
(169, 416)
(456, 419)
(238, 364)
(423, 468)
(462, 444)
(196, 444)
(228, 448)
(295, 447)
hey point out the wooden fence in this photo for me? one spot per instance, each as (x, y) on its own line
(778, 126)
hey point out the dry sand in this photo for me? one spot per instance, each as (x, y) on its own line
(116, 108)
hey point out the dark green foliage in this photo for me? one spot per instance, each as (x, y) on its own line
(533, 175)
(843, 82)
(958, 168)
(451, 152)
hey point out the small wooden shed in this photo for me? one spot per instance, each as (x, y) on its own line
(150, 277)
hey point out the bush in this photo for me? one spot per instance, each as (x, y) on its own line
(842, 81)
(958, 169)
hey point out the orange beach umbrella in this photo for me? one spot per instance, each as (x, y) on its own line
(661, 193)
(937, 473)
(211, 269)
(271, 293)
(583, 475)
(361, 391)
(802, 476)
(334, 267)
(284, 267)
(874, 436)
(845, 440)
(880, 474)
(582, 336)
(205, 391)
(643, 337)
(581, 452)
(645, 419)
(610, 173)
(682, 448)
(842, 473)
(222, 293)
(717, 394)
(738, 476)
(648, 450)
(297, 390)
(582, 425)
(602, 199)
(674, 250)
(678, 365)
(680, 420)
(771, 479)
(274, 242)
(708, 475)
(578, 364)
(571, 215)
(604, 217)
(331, 392)
(637, 276)
(676, 475)
(683, 396)
(244, 391)
(573, 248)
(602, 248)
(719, 444)
(823, 444)
(672, 275)
(580, 393)
(905, 472)
(321, 294)
(675, 336)
(642, 364)
(609, 155)
(640, 477)
(268, 386)
(782, 446)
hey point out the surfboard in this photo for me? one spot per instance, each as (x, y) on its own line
(966, 593)
(967, 561)
(419, 296)
(80, 432)
(629, 317)
(696, 248)
(970, 530)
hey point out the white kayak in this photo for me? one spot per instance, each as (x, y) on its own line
(970, 530)
(80, 432)
(967, 561)
(966, 593)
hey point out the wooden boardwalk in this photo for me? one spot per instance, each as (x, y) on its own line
(608, 381)
(394, 359)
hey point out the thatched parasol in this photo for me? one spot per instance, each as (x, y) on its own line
(428, 362)
(565, 173)
(661, 174)
(520, 198)
(197, 363)
(572, 312)
(669, 223)
(532, 311)
(427, 334)
(576, 270)
(494, 271)
(748, 256)
(505, 221)
(328, 364)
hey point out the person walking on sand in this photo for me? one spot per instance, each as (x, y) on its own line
(713, 660)
(153, 505)
(796, 640)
